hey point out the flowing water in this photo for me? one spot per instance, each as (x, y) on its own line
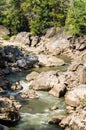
(36, 113)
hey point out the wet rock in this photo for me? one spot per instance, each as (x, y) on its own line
(16, 86)
(48, 60)
(56, 120)
(4, 83)
(45, 81)
(58, 90)
(8, 110)
(32, 76)
(31, 94)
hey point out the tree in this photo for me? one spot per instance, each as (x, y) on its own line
(43, 14)
(16, 21)
(76, 18)
(14, 18)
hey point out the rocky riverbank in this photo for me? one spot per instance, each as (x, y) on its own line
(43, 51)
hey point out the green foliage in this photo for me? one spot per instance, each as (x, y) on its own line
(39, 15)
(45, 13)
(15, 21)
(6, 37)
(76, 18)
(13, 17)
(83, 101)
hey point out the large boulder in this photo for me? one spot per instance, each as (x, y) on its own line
(45, 81)
(48, 60)
(58, 44)
(73, 97)
(11, 53)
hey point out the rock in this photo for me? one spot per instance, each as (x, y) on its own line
(70, 109)
(16, 86)
(12, 53)
(35, 41)
(74, 96)
(8, 110)
(50, 32)
(48, 60)
(58, 90)
(32, 76)
(45, 81)
(2, 127)
(75, 121)
(28, 61)
(3, 31)
(58, 44)
(31, 94)
(53, 108)
(75, 65)
(23, 38)
(22, 63)
(32, 59)
(82, 47)
(56, 120)
(78, 42)
(83, 75)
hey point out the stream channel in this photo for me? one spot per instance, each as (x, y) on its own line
(35, 113)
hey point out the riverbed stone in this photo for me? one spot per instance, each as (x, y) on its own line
(45, 81)
(16, 86)
(32, 76)
(31, 95)
(56, 119)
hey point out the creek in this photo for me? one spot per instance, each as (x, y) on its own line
(35, 113)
